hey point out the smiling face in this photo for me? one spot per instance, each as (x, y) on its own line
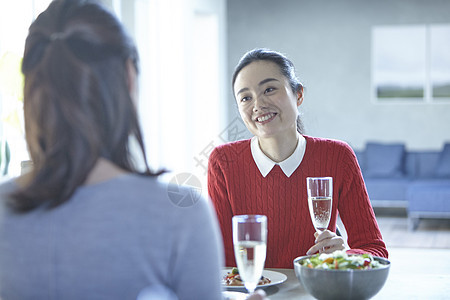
(265, 99)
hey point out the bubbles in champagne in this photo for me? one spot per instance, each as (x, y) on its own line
(320, 210)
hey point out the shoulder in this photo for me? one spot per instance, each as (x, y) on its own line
(173, 200)
(326, 144)
(7, 186)
(232, 147)
(174, 190)
(184, 202)
(147, 194)
(183, 196)
(230, 152)
(331, 150)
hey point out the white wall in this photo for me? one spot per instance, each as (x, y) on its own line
(330, 44)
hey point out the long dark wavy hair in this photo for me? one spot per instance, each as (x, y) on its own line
(77, 101)
(286, 67)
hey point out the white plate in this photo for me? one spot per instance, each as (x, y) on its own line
(275, 278)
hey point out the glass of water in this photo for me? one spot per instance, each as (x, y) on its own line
(250, 243)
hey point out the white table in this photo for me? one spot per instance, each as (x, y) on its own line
(409, 277)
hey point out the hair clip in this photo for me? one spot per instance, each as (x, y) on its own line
(56, 36)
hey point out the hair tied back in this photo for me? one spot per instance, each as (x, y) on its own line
(56, 36)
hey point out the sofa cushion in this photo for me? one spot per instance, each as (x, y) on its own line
(425, 164)
(384, 160)
(443, 165)
(387, 189)
(429, 196)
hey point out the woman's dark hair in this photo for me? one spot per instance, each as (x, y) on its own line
(286, 67)
(77, 101)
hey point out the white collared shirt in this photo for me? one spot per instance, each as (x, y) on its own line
(289, 165)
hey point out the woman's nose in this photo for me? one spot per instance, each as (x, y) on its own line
(259, 103)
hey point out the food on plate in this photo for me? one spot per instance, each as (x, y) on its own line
(340, 260)
(234, 279)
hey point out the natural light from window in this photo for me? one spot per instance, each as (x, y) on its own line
(180, 99)
(15, 18)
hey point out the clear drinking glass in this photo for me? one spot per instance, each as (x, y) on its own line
(320, 199)
(250, 243)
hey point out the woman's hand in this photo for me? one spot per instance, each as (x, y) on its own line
(326, 242)
(258, 295)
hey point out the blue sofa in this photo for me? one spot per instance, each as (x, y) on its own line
(418, 181)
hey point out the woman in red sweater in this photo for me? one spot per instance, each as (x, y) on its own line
(267, 174)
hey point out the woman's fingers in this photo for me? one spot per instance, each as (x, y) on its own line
(325, 235)
(333, 244)
(258, 295)
(314, 249)
(326, 242)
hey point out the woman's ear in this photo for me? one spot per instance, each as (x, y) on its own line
(132, 79)
(300, 96)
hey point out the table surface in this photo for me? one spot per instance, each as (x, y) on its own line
(409, 277)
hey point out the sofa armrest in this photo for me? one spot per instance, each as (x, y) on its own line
(360, 157)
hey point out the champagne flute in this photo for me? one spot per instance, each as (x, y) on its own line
(250, 243)
(320, 195)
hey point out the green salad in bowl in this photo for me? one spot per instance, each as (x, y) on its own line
(340, 260)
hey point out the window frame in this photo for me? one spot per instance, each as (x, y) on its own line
(427, 82)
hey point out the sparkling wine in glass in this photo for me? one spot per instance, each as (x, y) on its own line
(250, 243)
(320, 195)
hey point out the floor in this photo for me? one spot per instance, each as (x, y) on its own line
(431, 233)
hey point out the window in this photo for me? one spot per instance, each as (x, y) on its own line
(440, 61)
(180, 103)
(180, 98)
(15, 18)
(411, 63)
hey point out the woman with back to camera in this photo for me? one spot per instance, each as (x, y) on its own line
(267, 174)
(85, 223)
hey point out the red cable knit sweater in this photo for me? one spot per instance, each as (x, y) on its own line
(237, 187)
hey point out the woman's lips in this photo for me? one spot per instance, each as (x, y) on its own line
(265, 118)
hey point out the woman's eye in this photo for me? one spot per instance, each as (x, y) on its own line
(245, 99)
(268, 90)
